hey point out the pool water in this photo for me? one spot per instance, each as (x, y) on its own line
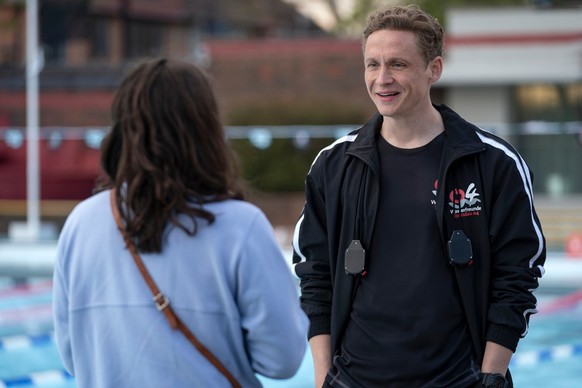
(549, 356)
(551, 353)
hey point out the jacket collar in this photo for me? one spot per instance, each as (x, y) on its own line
(461, 136)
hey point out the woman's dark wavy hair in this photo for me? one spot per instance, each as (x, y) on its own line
(166, 153)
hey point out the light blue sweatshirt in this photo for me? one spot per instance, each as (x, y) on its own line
(229, 284)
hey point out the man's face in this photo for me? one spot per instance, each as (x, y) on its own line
(397, 76)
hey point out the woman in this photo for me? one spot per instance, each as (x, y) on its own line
(213, 255)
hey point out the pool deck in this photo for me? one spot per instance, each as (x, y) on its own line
(21, 260)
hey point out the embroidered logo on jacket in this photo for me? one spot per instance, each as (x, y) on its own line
(462, 203)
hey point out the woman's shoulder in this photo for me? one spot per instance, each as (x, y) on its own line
(235, 208)
(91, 203)
(96, 203)
(88, 215)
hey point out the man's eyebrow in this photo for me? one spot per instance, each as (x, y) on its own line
(398, 59)
(390, 61)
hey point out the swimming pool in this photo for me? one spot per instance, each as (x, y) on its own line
(549, 356)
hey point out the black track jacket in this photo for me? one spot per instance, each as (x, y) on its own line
(484, 189)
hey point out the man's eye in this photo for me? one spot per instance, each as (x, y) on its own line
(371, 65)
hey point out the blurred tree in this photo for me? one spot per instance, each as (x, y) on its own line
(351, 23)
(437, 8)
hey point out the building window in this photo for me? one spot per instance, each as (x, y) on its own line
(100, 38)
(545, 102)
(574, 101)
(145, 39)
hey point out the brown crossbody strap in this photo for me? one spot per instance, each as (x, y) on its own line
(163, 303)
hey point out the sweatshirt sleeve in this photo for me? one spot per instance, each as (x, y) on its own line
(60, 302)
(273, 323)
(518, 253)
(311, 254)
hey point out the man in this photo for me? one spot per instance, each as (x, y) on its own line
(418, 247)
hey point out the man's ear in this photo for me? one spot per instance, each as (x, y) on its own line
(436, 68)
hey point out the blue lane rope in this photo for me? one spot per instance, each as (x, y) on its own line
(38, 379)
(18, 342)
(554, 353)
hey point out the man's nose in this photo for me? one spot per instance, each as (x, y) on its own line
(385, 76)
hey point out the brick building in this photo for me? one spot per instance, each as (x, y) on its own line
(88, 44)
(262, 55)
(519, 78)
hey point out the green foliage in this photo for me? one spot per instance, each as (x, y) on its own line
(437, 8)
(280, 168)
(354, 23)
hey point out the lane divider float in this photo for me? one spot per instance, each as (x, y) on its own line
(18, 342)
(38, 379)
(554, 353)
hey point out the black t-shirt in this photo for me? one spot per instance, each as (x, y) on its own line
(407, 326)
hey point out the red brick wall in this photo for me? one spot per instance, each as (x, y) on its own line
(243, 72)
(299, 70)
(320, 70)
